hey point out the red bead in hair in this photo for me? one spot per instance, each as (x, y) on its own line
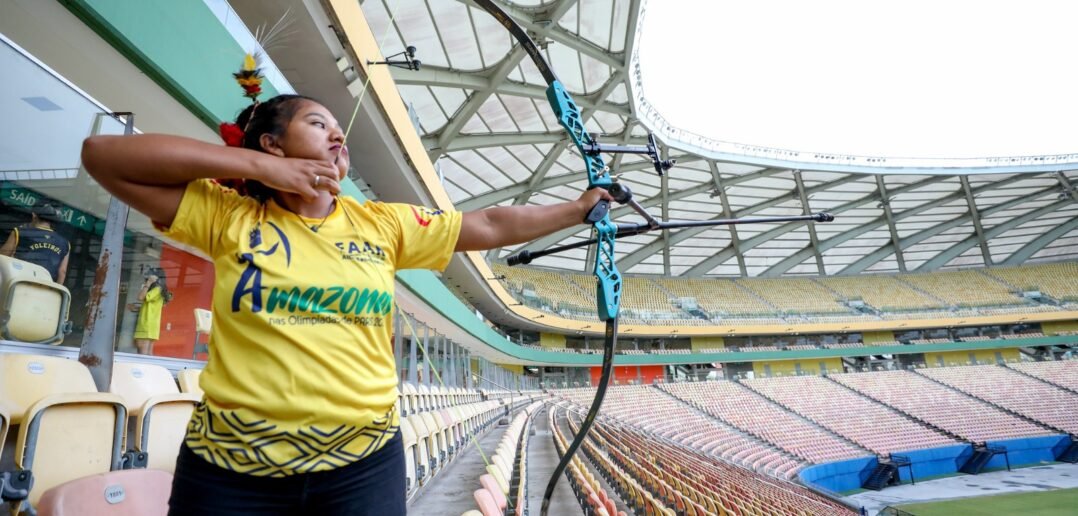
(231, 134)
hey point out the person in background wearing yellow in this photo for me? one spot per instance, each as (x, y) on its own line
(153, 295)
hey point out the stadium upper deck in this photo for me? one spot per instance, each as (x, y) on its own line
(1021, 290)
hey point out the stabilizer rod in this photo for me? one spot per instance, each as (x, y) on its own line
(525, 257)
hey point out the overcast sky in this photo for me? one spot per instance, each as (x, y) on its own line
(915, 78)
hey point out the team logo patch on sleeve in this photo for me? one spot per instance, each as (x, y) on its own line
(424, 216)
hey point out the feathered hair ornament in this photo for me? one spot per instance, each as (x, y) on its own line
(250, 78)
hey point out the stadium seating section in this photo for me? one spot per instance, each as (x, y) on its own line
(708, 301)
(669, 418)
(755, 415)
(939, 406)
(1015, 392)
(657, 476)
(1058, 280)
(714, 447)
(74, 439)
(1062, 373)
(875, 427)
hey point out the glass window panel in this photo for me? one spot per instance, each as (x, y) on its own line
(46, 123)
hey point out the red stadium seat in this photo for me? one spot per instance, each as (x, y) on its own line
(490, 484)
(134, 492)
(487, 505)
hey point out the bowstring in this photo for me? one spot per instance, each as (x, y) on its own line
(366, 82)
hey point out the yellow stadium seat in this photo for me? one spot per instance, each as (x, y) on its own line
(203, 325)
(36, 307)
(410, 458)
(438, 450)
(162, 412)
(188, 380)
(67, 430)
(4, 418)
(423, 448)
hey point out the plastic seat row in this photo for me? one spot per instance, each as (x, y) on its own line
(944, 408)
(589, 492)
(66, 430)
(504, 485)
(438, 423)
(433, 436)
(1013, 391)
(694, 484)
(673, 419)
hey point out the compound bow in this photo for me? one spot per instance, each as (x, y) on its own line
(608, 284)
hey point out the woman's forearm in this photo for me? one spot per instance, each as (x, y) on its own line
(508, 225)
(164, 160)
(150, 172)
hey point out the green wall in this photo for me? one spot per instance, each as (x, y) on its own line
(179, 44)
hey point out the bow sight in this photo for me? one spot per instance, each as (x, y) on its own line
(621, 193)
(652, 150)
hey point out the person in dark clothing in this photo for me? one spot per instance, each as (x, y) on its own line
(39, 244)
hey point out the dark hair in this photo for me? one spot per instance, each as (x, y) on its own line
(161, 283)
(269, 117)
(46, 211)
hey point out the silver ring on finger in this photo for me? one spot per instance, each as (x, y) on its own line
(316, 180)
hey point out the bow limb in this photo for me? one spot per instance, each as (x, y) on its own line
(608, 278)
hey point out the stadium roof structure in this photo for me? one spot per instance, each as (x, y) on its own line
(480, 106)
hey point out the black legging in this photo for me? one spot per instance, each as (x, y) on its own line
(371, 486)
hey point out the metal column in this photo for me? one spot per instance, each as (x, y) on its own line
(413, 364)
(468, 379)
(426, 356)
(439, 358)
(453, 369)
(398, 343)
(96, 351)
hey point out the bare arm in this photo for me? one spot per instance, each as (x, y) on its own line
(8, 248)
(149, 172)
(62, 273)
(507, 225)
(144, 290)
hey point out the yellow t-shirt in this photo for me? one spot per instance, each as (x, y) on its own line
(301, 375)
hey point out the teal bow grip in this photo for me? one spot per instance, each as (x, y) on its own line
(608, 285)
